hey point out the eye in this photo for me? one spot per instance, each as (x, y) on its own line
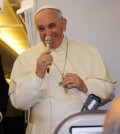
(52, 25)
(41, 29)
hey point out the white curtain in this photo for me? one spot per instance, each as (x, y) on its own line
(29, 25)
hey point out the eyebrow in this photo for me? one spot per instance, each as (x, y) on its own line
(50, 24)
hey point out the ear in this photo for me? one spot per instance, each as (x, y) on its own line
(64, 23)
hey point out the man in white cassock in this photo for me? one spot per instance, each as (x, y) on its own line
(76, 70)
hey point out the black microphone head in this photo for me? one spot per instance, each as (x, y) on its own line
(48, 39)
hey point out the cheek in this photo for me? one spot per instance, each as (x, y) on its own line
(60, 31)
(41, 36)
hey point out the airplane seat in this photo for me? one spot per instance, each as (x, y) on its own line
(86, 122)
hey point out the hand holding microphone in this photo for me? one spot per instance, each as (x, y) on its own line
(44, 60)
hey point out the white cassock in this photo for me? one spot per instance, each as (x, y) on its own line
(47, 101)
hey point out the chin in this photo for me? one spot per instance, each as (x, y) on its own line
(54, 46)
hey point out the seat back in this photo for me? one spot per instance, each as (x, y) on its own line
(82, 122)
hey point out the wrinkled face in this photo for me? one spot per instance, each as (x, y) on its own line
(49, 23)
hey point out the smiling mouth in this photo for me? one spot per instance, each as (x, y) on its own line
(52, 39)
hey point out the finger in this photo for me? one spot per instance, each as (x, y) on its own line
(49, 58)
(44, 55)
(48, 63)
(71, 85)
(43, 61)
(68, 74)
(46, 52)
(67, 81)
(46, 59)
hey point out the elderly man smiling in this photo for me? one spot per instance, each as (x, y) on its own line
(76, 70)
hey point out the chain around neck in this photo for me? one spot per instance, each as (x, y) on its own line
(62, 73)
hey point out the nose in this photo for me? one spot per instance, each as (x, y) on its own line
(48, 32)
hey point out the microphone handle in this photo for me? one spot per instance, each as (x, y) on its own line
(48, 48)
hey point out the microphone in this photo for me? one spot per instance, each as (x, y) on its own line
(48, 40)
(92, 103)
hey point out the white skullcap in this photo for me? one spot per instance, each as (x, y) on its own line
(46, 6)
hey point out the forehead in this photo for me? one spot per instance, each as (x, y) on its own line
(47, 14)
